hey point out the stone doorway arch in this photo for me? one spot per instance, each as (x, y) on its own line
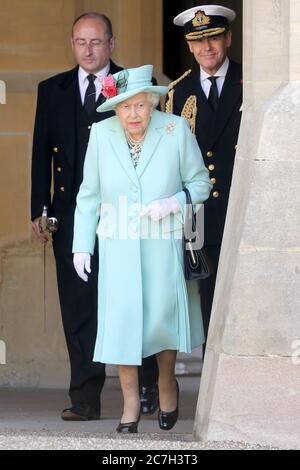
(250, 387)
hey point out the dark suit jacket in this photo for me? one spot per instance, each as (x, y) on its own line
(217, 135)
(54, 141)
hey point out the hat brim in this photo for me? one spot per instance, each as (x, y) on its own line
(110, 103)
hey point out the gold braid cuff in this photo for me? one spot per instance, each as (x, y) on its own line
(189, 112)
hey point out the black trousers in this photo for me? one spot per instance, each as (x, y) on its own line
(78, 302)
(207, 287)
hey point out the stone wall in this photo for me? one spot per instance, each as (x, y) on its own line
(250, 387)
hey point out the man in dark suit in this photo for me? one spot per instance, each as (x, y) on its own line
(66, 109)
(210, 98)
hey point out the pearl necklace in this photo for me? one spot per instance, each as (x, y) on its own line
(135, 148)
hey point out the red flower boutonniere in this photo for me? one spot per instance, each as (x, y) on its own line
(109, 89)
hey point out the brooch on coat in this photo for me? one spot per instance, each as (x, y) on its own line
(170, 127)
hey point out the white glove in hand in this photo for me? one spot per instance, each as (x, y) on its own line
(161, 208)
(82, 261)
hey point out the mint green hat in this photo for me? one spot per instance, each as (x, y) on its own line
(127, 83)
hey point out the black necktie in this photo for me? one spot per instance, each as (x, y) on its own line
(213, 97)
(90, 95)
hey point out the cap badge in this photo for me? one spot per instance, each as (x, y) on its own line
(200, 19)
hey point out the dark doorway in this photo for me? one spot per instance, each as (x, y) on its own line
(176, 56)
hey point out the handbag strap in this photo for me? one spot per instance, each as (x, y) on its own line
(187, 195)
(190, 218)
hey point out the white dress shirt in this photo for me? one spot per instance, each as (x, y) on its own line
(221, 74)
(84, 83)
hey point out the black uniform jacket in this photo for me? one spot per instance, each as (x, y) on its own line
(217, 136)
(55, 142)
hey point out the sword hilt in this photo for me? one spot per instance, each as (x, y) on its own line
(44, 219)
(48, 224)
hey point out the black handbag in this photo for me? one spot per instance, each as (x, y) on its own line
(197, 265)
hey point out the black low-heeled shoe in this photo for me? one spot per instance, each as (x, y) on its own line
(128, 428)
(167, 420)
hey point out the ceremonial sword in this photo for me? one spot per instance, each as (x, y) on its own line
(50, 225)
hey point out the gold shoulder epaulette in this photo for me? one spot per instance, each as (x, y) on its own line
(170, 97)
(173, 84)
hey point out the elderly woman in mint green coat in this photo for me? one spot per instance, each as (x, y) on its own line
(131, 196)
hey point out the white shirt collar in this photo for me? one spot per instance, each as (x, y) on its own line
(221, 73)
(83, 81)
(82, 74)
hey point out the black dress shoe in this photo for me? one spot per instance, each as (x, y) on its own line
(80, 413)
(128, 428)
(149, 400)
(167, 420)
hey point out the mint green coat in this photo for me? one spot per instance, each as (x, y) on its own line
(144, 303)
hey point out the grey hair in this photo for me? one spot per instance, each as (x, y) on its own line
(154, 99)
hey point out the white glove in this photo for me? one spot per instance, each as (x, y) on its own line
(82, 261)
(161, 208)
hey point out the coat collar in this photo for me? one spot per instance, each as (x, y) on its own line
(67, 79)
(230, 96)
(120, 147)
(66, 110)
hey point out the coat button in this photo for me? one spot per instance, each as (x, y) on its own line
(59, 169)
(210, 154)
(211, 167)
(62, 189)
(55, 149)
(213, 180)
(216, 194)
